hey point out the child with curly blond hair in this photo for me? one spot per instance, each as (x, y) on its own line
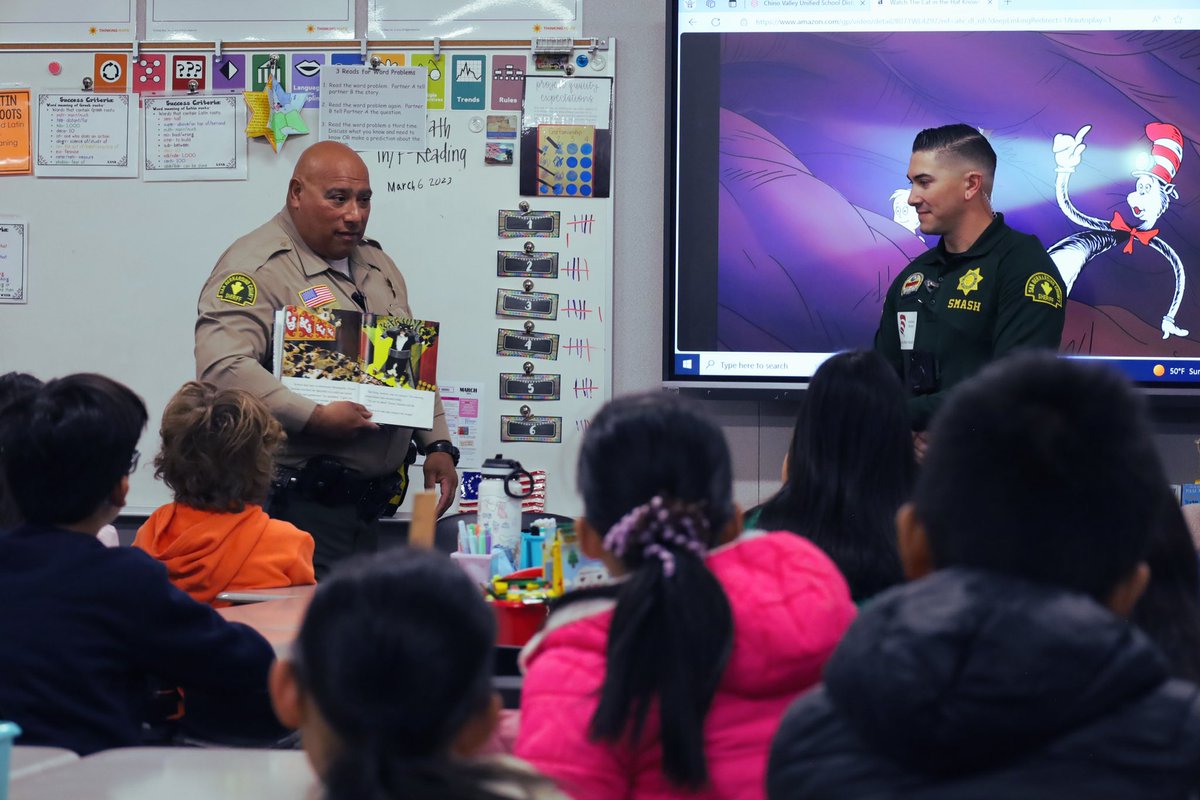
(218, 449)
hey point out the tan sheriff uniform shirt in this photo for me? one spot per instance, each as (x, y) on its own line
(261, 273)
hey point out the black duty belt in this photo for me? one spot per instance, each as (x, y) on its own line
(327, 481)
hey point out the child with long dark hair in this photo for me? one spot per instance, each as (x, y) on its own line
(1169, 610)
(850, 467)
(389, 683)
(672, 680)
(218, 456)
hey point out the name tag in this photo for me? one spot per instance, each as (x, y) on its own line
(906, 322)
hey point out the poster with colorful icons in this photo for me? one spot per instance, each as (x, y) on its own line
(436, 67)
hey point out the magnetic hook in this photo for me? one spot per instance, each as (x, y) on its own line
(529, 326)
(193, 86)
(526, 412)
(87, 84)
(524, 206)
(376, 62)
(528, 367)
(527, 285)
(529, 247)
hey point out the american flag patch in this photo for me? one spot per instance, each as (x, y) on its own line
(317, 296)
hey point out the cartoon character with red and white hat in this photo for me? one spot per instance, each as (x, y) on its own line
(1149, 200)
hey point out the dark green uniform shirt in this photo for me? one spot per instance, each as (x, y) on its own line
(948, 314)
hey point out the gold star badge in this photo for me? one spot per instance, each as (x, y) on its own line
(970, 281)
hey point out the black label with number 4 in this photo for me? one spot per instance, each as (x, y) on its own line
(526, 345)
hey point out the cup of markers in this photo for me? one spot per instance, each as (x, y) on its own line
(474, 554)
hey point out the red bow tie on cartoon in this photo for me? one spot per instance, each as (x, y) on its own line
(1119, 224)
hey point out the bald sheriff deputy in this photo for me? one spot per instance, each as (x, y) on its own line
(338, 468)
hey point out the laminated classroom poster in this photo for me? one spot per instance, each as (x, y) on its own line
(16, 133)
(566, 137)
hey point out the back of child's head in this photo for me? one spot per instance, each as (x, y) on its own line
(67, 446)
(218, 447)
(1169, 610)
(1045, 469)
(396, 650)
(850, 466)
(14, 386)
(656, 481)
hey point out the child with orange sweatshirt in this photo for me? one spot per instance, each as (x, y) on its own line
(218, 448)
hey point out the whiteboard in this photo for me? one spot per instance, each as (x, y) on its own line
(23, 21)
(116, 266)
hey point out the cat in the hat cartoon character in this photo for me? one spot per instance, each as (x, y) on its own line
(1149, 200)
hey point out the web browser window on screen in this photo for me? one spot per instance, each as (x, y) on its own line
(793, 126)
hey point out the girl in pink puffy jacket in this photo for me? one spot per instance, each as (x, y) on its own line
(671, 680)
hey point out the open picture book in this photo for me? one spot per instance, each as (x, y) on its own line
(386, 363)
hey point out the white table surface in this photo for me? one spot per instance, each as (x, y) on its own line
(174, 773)
(28, 759)
(277, 620)
(245, 596)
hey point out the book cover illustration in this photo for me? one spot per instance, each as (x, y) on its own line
(402, 352)
(329, 355)
(322, 344)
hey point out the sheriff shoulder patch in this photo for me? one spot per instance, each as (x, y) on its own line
(911, 283)
(238, 289)
(1043, 288)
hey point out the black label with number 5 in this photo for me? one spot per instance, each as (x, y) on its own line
(541, 386)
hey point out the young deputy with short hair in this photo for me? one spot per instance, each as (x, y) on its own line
(390, 685)
(217, 455)
(83, 626)
(672, 679)
(1008, 669)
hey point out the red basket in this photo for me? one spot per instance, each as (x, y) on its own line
(517, 622)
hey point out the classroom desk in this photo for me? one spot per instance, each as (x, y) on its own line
(30, 759)
(277, 620)
(178, 773)
(247, 596)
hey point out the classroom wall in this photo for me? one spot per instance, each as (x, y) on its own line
(758, 432)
